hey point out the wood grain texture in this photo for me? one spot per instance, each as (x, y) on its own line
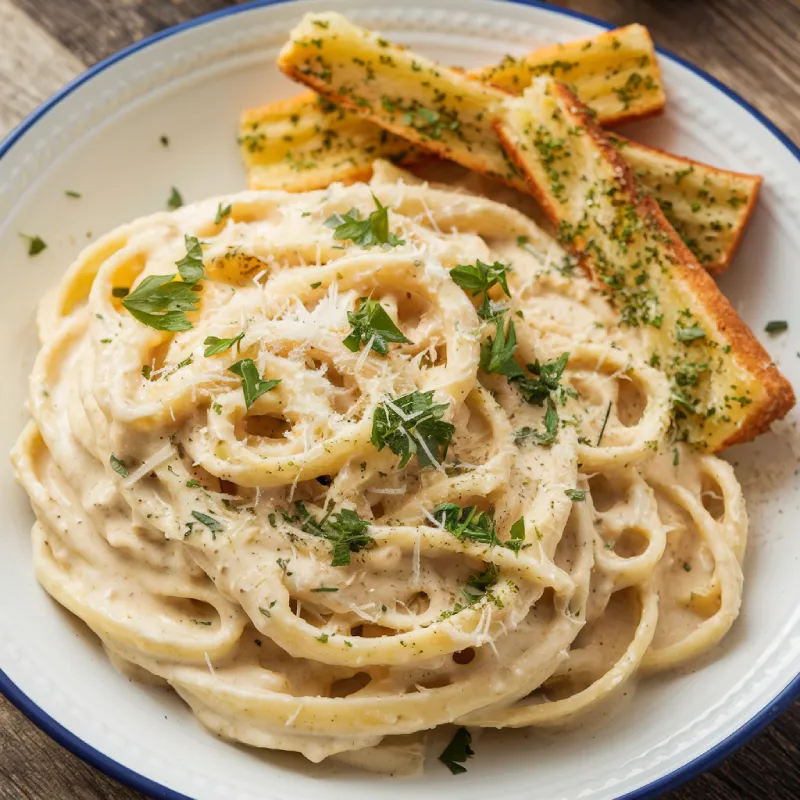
(751, 46)
(33, 65)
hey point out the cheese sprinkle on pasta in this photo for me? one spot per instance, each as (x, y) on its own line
(346, 465)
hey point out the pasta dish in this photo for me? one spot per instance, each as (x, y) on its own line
(346, 464)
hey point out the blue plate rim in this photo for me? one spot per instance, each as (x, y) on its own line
(135, 780)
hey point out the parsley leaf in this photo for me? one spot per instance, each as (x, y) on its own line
(364, 232)
(222, 212)
(216, 345)
(550, 428)
(160, 302)
(35, 244)
(458, 751)
(478, 586)
(371, 322)
(777, 326)
(210, 523)
(517, 540)
(412, 425)
(578, 495)
(467, 523)
(479, 278)
(345, 530)
(175, 200)
(252, 384)
(191, 265)
(546, 382)
(498, 356)
(689, 334)
(119, 466)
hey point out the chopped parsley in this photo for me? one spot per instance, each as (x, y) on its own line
(364, 232)
(480, 277)
(412, 425)
(160, 302)
(72, 193)
(210, 523)
(35, 244)
(345, 530)
(477, 586)
(458, 751)
(578, 495)
(174, 200)
(222, 212)
(497, 355)
(550, 433)
(371, 324)
(216, 345)
(191, 265)
(689, 334)
(777, 326)
(119, 466)
(253, 385)
(605, 422)
(325, 589)
(467, 523)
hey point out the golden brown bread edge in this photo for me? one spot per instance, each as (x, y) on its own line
(779, 395)
(720, 265)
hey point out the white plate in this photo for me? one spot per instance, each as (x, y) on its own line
(100, 137)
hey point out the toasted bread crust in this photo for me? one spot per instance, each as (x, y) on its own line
(718, 177)
(462, 156)
(776, 396)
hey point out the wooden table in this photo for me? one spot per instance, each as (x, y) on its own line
(751, 46)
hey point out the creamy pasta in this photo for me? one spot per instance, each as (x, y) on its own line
(438, 485)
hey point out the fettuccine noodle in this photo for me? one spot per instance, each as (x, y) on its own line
(174, 519)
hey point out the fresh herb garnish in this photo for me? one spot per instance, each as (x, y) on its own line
(689, 334)
(577, 495)
(72, 193)
(777, 326)
(550, 433)
(191, 265)
(364, 232)
(498, 356)
(253, 385)
(192, 484)
(119, 466)
(344, 529)
(216, 345)
(517, 540)
(35, 244)
(372, 324)
(412, 425)
(210, 523)
(160, 302)
(605, 422)
(467, 523)
(546, 382)
(479, 278)
(458, 751)
(222, 212)
(477, 586)
(174, 200)
(325, 589)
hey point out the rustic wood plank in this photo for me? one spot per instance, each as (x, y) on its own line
(750, 46)
(33, 65)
